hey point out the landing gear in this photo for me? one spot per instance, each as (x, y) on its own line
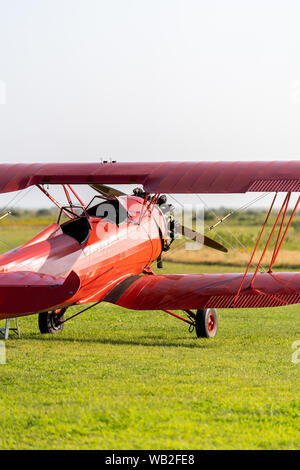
(206, 323)
(52, 321)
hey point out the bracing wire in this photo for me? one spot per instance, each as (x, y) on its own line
(243, 207)
(16, 199)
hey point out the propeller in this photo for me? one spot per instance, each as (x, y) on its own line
(176, 227)
(166, 208)
(103, 189)
(199, 237)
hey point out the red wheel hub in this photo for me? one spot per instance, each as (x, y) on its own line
(211, 322)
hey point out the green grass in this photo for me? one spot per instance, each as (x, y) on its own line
(119, 379)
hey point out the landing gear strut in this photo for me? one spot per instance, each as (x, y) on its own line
(204, 321)
(52, 321)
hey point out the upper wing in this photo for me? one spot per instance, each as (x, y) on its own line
(194, 291)
(27, 292)
(166, 177)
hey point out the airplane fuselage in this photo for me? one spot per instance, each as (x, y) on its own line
(110, 254)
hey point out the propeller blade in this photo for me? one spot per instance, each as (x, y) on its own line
(199, 237)
(103, 189)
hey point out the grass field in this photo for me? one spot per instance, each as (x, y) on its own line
(119, 379)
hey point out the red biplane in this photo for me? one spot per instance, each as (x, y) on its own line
(104, 252)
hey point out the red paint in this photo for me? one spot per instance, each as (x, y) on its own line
(195, 291)
(54, 271)
(160, 177)
(255, 248)
(109, 256)
(211, 322)
(269, 239)
(287, 200)
(275, 254)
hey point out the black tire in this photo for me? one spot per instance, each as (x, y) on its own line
(206, 323)
(50, 322)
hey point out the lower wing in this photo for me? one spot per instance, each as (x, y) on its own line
(194, 291)
(28, 292)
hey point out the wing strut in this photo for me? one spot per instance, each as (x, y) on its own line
(67, 213)
(76, 195)
(53, 200)
(278, 244)
(275, 254)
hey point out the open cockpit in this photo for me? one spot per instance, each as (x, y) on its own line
(79, 226)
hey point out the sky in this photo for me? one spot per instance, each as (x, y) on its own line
(141, 80)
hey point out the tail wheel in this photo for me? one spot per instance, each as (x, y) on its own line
(51, 322)
(206, 323)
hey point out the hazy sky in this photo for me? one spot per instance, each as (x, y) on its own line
(149, 80)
